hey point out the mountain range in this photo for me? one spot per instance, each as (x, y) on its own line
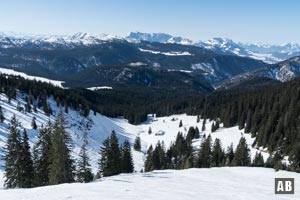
(147, 59)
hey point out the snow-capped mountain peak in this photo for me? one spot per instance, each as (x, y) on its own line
(157, 37)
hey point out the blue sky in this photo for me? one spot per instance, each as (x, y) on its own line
(273, 21)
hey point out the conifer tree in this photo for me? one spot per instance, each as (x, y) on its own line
(198, 118)
(84, 173)
(109, 163)
(148, 162)
(294, 158)
(61, 164)
(104, 156)
(204, 156)
(180, 123)
(229, 155)
(197, 134)
(137, 144)
(213, 127)
(33, 124)
(12, 157)
(26, 164)
(217, 154)
(41, 156)
(258, 160)
(241, 155)
(203, 125)
(2, 118)
(150, 131)
(126, 158)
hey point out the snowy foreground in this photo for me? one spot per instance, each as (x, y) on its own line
(235, 183)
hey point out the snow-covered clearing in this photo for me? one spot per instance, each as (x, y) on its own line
(172, 53)
(100, 88)
(227, 183)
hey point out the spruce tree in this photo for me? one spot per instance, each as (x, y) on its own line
(12, 157)
(197, 134)
(137, 144)
(150, 130)
(61, 164)
(229, 155)
(180, 123)
(26, 164)
(104, 156)
(109, 163)
(148, 162)
(2, 118)
(84, 173)
(241, 155)
(204, 156)
(126, 158)
(258, 160)
(217, 154)
(115, 154)
(41, 156)
(203, 125)
(33, 123)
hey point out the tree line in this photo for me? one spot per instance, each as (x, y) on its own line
(183, 155)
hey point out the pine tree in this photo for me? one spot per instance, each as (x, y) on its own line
(84, 173)
(198, 118)
(115, 154)
(61, 164)
(148, 162)
(229, 155)
(33, 124)
(109, 163)
(104, 156)
(150, 131)
(294, 158)
(197, 134)
(41, 156)
(180, 123)
(12, 157)
(258, 160)
(137, 144)
(203, 125)
(213, 127)
(26, 164)
(204, 156)
(217, 154)
(2, 118)
(241, 155)
(126, 158)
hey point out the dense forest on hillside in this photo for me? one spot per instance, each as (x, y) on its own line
(269, 113)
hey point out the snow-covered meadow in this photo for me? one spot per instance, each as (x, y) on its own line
(226, 183)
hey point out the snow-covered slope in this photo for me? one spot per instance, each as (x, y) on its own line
(28, 77)
(227, 183)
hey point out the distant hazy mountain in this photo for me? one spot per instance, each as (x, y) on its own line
(264, 52)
